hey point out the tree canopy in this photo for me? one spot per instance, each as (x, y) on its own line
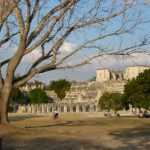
(38, 96)
(60, 87)
(137, 91)
(16, 96)
(112, 101)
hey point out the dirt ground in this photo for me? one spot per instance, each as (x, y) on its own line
(75, 132)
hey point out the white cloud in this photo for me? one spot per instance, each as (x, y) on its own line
(67, 47)
(83, 73)
(147, 1)
(120, 62)
(31, 57)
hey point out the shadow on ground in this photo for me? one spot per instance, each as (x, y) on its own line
(58, 123)
(53, 144)
(134, 138)
(21, 117)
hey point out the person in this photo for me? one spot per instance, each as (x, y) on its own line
(105, 113)
(55, 114)
(118, 115)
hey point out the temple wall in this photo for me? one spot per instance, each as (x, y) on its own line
(133, 71)
(60, 107)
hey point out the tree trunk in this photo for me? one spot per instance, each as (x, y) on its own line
(4, 99)
(3, 112)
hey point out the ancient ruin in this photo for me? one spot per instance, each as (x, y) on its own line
(83, 97)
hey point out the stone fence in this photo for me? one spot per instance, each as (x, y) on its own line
(60, 107)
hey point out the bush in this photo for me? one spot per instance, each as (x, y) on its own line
(38, 96)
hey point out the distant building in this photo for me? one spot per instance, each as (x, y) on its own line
(107, 75)
(30, 86)
(133, 71)
(103, 74)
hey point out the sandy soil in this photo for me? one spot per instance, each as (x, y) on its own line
(75, 132)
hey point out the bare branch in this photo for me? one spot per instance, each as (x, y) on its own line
(58, 24)
(66, 5)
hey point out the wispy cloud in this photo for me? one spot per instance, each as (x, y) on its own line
(121, 62)
(83, 73)
(31, 57)
(67, 47)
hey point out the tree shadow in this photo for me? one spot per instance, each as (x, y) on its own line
(52, 144)
(69, 123)
(90, 122)
(128, 138)
(23, 117)
(134, 138)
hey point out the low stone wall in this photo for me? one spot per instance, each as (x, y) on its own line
(61, 107)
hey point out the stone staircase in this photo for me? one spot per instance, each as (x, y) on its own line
(91, 91)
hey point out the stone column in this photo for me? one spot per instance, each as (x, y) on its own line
(91, 107)
(77, 108)
(29, 109)
(137, 110)
(39, 108)
(25, 110)
(50, 108)
(97, 108)
(65, 108)
(59, 108)
(43, 108)
(71, 108)
(47, 108)
(53, 108)
(33, 108)
(83, 107)
(62, 108)
(113, 76)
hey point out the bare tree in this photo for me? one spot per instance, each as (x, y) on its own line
(31, 24)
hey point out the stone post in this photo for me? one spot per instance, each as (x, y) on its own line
(113, 76)
(39, 108)
(25, 110)
(43, 108)
(77, 108)
(65, 108)
(33, 106)
(83, 107)
(91, 107)
(29, 109)
(71, 108)
(59, 108)
(53, 108)
(97, 108)
(137, 110)
(47, 108)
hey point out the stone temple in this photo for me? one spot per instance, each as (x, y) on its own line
(84, 97)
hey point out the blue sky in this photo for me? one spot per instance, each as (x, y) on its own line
(86, 72)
